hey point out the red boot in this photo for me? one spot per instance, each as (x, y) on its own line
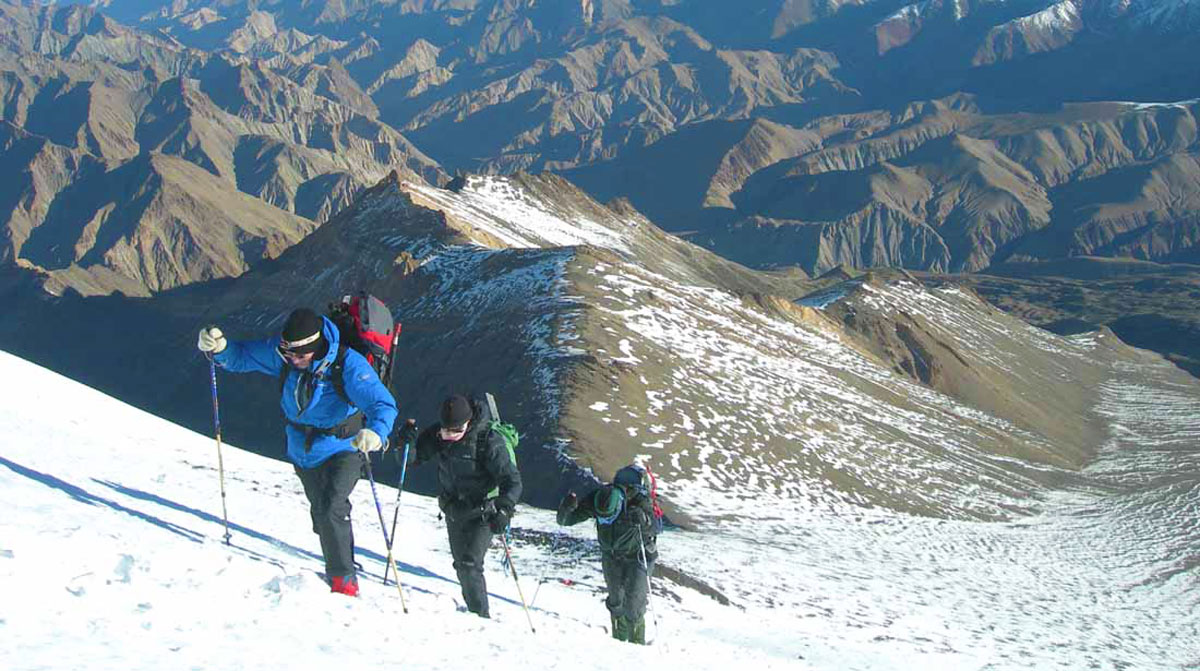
(347, 585)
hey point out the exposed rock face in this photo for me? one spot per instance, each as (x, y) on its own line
(502, 86)
(155, 223)
(629, 85)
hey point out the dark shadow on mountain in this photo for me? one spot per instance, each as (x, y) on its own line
(466, 143)
(667, 180)
(108, 205)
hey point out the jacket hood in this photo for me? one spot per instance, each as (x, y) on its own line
(330, 332)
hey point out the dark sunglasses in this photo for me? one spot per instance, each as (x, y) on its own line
(292, 354)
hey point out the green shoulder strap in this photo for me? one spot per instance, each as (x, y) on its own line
(507, 431)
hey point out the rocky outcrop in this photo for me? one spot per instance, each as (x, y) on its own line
(764, 144)
(1048, 30)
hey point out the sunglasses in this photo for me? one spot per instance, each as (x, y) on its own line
(293, 355)
(453, 432)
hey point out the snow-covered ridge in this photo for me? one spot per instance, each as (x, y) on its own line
(516, 217)
(1182, 104)
(1063, 15)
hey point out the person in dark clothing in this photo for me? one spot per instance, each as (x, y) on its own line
(330, 426)
(627, 529)
(478, 487)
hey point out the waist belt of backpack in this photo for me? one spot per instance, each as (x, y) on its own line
(346, 429)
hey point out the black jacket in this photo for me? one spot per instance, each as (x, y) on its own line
(618, 536)
(469, 468)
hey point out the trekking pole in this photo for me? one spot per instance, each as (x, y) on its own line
(513, 569)
(646, 570)
(396, 511)
(212, 370)
(491, 401)
(383, 528)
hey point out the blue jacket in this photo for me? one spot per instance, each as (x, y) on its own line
(327, 408)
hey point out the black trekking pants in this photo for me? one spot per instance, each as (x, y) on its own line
(469, 542)
(627, 587)
(328, 488)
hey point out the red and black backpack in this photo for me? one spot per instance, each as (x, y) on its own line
(364, 325)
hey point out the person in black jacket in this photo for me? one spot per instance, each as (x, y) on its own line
(627, 528)
(478, 488)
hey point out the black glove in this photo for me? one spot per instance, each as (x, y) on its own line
(498, 520)
(639, 517)
(408, 434)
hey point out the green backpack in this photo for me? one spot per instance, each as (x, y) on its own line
(507, 431)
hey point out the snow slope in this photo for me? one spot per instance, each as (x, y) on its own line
(111, 556)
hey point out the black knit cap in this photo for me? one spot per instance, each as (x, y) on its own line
(456, 411)
(302, 332)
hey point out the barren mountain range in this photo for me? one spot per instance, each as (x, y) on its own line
(224, 159)
(940, 185)
(137, 164)
(872, 285)
(607, 339)
(780, 133)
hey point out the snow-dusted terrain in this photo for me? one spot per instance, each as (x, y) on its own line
(111, 556)
(517, 217)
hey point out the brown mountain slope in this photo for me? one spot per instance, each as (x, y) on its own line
(948, 187)
(151, 224)
(630, 84)
(91, 109)
(606, 339)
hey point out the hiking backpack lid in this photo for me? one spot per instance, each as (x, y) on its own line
(365, 325)
(638, 478)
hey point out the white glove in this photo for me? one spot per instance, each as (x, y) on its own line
(366, 440)
(211, 340)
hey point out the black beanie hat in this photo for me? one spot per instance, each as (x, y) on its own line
(302, 332)
(456, 411)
